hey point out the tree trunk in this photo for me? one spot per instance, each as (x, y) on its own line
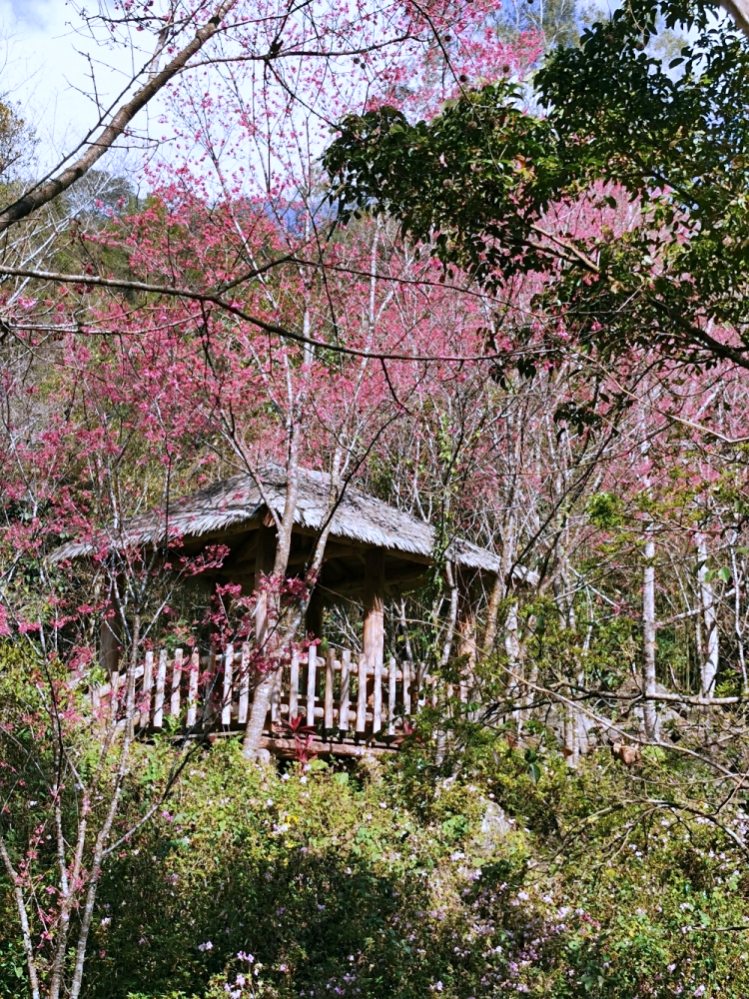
(373, 641)
(253, 733)
(266, 639)
(709, 664)
(650, 711)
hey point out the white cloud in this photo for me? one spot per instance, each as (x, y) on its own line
(52, 69)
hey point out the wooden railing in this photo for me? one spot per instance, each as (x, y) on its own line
(337, 693)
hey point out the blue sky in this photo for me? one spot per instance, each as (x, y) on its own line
(44, 70)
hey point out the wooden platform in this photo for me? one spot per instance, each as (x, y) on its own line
(337, 701)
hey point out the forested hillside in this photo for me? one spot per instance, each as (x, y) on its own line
(489, 266)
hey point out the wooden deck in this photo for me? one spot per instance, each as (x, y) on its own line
(337, 702)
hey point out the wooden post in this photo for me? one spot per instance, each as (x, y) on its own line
(208, 708)
(374, 613)
(373, 641)
(158, 708)
(377, 697)
(109, 646)
(392, 694)
(192, 689)
(294, 685)
(244, 684)
(361, 699)
(176, 683)
(343, 711)
(311, 682)
(330, 665)
(145, 711)
(226, 692)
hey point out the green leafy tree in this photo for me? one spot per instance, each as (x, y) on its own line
(628, 197)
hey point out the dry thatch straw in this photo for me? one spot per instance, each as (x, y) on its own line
(242, 502)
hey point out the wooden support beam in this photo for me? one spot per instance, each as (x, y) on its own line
(322, 747)
(109, 646)
(373, 641)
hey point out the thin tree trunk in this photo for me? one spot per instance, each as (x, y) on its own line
(738, 624)
(650, 710)
(261, 698)
(28, 943)
(709, 663)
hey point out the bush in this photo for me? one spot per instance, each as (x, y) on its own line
(367, 882)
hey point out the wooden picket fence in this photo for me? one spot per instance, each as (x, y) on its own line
(338, 694)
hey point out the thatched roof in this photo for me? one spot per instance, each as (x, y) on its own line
(239, 502)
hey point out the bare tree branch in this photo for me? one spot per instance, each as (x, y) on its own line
(50, 189)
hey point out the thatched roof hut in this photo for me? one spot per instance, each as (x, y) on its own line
(232, 511)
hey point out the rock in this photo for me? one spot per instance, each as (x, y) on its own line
(495, 827)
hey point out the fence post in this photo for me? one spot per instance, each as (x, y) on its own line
(311, 680)
(294, 685)
(392, 695)
(226, 691)
(343, 710)
(145, 710)
(192, 689)
(330, 665)
(176, 682)
(361, 698)
(158, 708)
(244, 684)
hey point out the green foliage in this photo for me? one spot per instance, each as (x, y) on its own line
(396, 880)
(482, 159)
(605, 510)
(476, 184)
